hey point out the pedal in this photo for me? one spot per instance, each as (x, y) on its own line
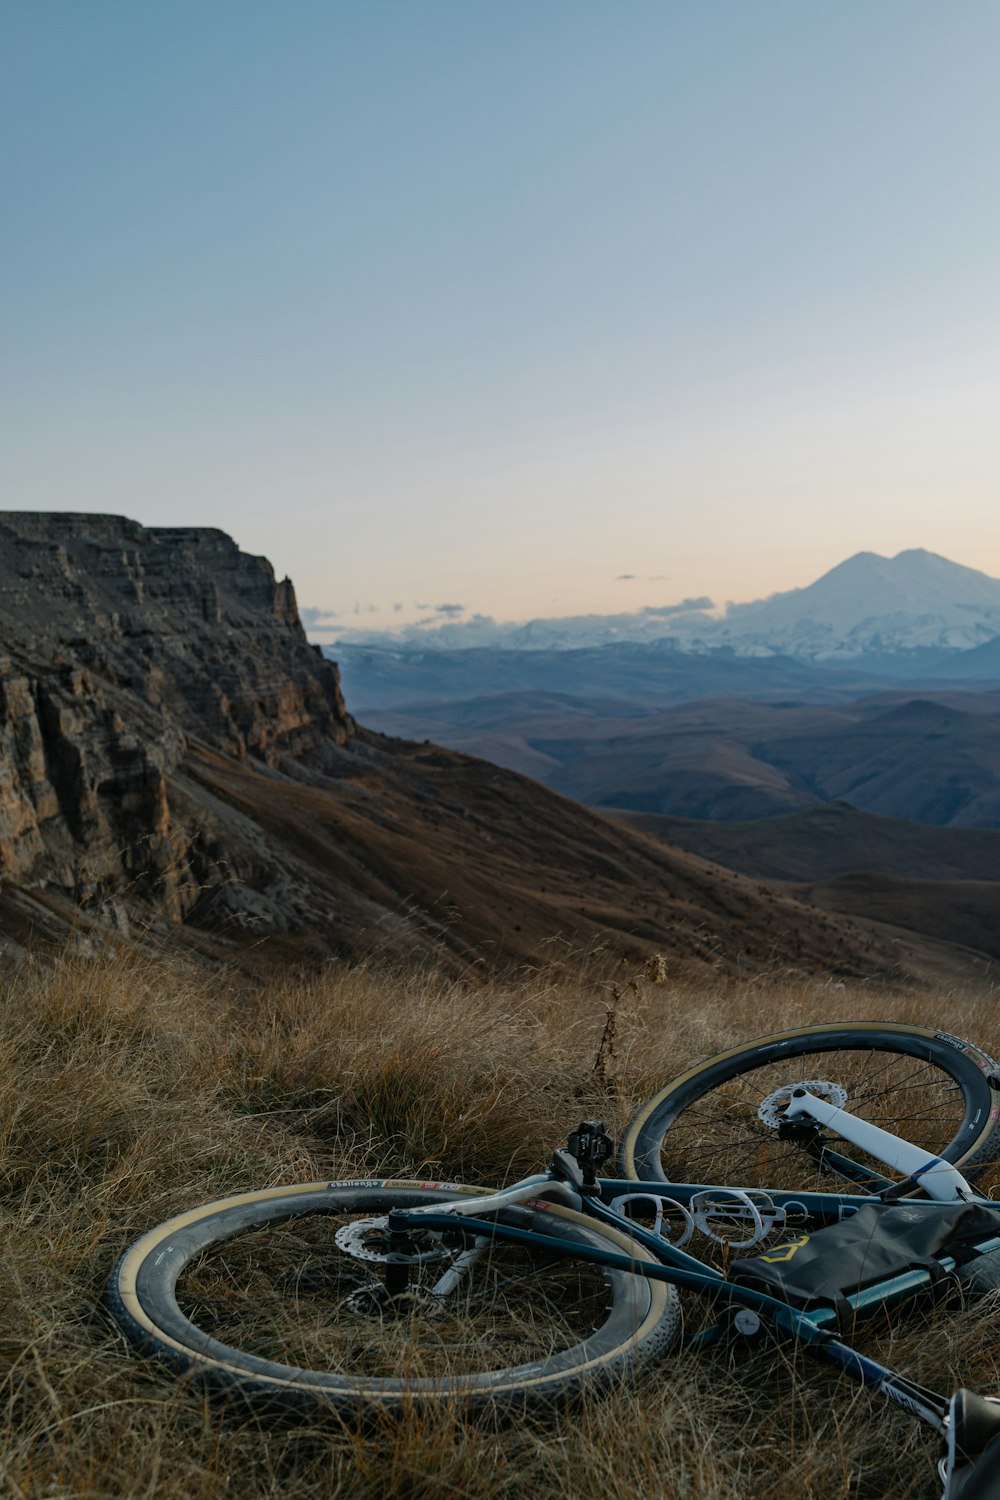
(590, 1146)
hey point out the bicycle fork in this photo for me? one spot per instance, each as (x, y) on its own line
(399, 1260)
(937, 1177)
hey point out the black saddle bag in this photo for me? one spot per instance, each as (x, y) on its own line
(880, 1240)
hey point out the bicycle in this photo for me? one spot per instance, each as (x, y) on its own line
(377, 1295)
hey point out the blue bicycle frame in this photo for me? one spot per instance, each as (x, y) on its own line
(681, 1269)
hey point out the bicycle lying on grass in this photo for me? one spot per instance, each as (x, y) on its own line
(382, 1295)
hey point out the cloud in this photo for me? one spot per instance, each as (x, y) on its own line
(445, 627)
(678, 609)
(314, 615)
(448, 611)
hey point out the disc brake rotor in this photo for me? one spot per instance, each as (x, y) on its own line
(368, 1240)
(772, 1109)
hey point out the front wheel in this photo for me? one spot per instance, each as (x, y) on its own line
(283, 1296)
(929, 1087)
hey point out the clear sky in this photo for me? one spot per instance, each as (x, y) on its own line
(493, 302)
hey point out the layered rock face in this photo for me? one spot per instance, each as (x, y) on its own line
(119, 646)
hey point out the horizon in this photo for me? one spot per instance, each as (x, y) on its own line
(436, 625)
(527, 312)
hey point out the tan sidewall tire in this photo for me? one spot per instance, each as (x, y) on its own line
(641, 1324)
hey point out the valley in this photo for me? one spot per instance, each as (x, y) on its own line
(933, 758)
(842, 745)
(179, 766)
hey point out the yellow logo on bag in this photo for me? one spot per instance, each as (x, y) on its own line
(785, 1252)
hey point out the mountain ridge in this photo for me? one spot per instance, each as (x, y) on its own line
(870, 603)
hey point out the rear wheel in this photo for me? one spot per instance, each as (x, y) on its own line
(930, 1088)
(284, 1297)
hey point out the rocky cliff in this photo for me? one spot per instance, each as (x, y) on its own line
(175, 756)
(122, 648)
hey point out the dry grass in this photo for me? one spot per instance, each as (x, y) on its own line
(131, 1088)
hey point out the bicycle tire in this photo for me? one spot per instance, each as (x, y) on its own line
(640, 1324)
(686, 1132)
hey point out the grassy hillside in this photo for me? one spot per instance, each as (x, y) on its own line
(941, 882)
(830, 841)
(131, 1088)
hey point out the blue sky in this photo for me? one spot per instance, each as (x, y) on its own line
(492, 304)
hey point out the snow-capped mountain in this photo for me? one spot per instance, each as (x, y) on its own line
(871, 604)
(868, 606)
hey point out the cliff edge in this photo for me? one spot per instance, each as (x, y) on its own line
(122, 648)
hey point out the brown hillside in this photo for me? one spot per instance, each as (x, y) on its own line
(835, 839)
(966, 912)
(942, 882)
(419, 847)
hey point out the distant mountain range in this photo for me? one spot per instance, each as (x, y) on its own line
(929, 760)
(916, 608)
(915, 623)
(871, 605)
(846, 733)
(604, 679)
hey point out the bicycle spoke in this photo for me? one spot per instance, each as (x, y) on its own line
(285, 1296)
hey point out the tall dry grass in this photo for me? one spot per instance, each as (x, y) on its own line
(133, 1087)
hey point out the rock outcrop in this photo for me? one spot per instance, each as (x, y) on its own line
(122, 647)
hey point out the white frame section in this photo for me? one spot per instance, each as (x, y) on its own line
(938, 1178)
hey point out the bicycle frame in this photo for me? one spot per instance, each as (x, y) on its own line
(677, 1266)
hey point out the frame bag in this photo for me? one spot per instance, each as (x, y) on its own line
(879, 1241)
